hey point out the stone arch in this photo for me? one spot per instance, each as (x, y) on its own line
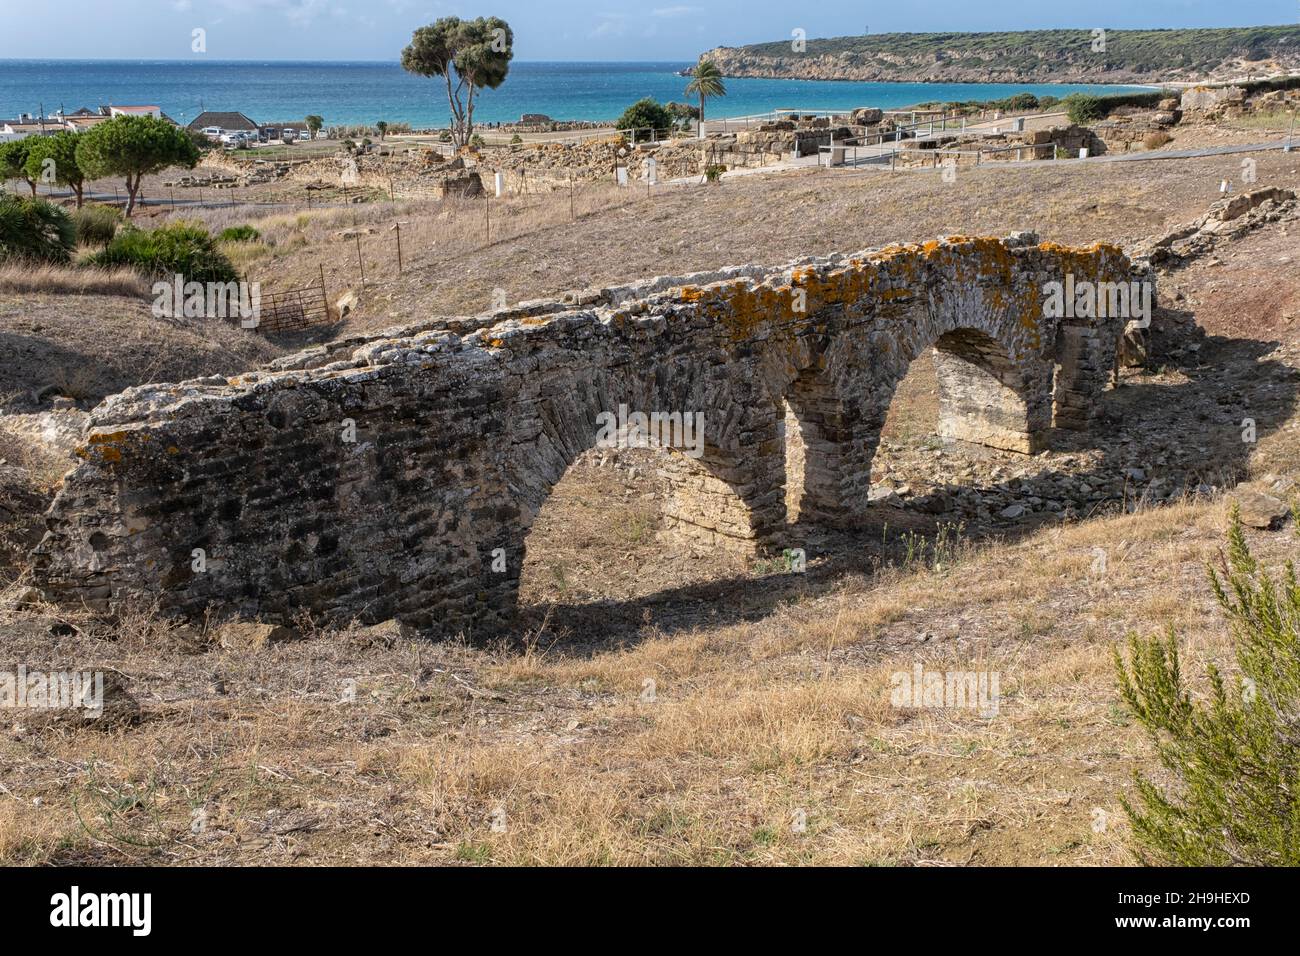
(985, 397)
(463, 426)
(720, 493)
(819, 414)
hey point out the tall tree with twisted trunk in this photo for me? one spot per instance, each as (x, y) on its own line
(478, 52)
(133, 147)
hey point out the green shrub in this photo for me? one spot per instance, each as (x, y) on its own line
(1083, 108)
(183, 248)
(35, 229)
(1234, 757)
(239, 234)
(516, 140)
(643, 116)
(476, 142)
(1020, 101)
(96, 224)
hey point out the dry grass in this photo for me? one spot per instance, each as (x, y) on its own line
(1278, 121)
(542, 244)
(71, 280)
(88, 346)
(545, 756)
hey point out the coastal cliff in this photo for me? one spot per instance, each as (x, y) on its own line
(1037, 56)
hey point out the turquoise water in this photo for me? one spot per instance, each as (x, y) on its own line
(346, 93)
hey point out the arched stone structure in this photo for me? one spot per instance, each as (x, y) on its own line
(397, 475)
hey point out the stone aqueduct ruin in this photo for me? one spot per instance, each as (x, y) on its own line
(461, 427)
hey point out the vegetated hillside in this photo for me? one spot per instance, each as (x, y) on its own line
(1145, 56)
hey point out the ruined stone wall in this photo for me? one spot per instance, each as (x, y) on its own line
(534, 166)
(398, 475)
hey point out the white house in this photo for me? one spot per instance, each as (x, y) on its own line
(26, 126)
(154, 111)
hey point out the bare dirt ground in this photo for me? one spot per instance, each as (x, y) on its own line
(663, 705)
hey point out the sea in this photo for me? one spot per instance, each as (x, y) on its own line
(349, 93)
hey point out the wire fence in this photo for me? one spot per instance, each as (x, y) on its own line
(295, 310)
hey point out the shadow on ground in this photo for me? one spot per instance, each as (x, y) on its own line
(1180, 422)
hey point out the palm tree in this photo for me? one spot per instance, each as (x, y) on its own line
(706, 82)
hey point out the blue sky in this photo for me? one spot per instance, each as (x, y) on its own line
(550, 29)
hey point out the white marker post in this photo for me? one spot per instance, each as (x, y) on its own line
(501, 184)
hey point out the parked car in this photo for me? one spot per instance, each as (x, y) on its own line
(288, 135)
(213, 132)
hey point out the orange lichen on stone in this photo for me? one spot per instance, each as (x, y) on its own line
(104, 446)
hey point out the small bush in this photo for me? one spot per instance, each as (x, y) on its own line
(1021, 101)
(1233, 757)
(713, 172)
(96, 224)
(182, 248)
(1083, 108)
(476, 142)
(644, 117)
(516, 139)
(35, 229)
(1156, 138)
(239, 234)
